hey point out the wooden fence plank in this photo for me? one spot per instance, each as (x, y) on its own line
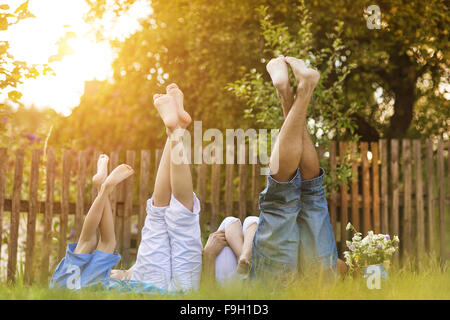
(441, 188)
(366, 223)
(376, 218)
(407, 197)
(113, 162)
(354, 187)
(48, 214)
(420, 217)
(3, 163)
(384, 187)
(430, 196)
(15, 211)
(333, 194)
(94, 160)
(395, 219)
(81, 181)
(128, 207)
(144, 191)
(31, 217)
(201, 194)
(65, 203)
(229, 175)
(215, 197)
(344, 200)
(256, 179)
(242, 212)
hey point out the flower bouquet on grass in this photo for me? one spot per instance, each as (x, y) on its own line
(372, 250)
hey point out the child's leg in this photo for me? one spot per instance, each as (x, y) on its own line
(153, 262)
(162, 190)
(248, 229)
(182, 217)
(226, 261)
(234, 236)
(88, 237)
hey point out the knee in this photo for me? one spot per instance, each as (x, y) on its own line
(226, 222)
(250, 220)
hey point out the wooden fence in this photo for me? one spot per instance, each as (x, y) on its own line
(397, 187)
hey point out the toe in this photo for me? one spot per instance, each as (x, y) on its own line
(156, 96)
(172, 86)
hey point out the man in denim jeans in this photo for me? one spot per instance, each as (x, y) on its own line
(294, 231)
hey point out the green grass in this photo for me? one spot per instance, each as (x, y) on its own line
(433, 282)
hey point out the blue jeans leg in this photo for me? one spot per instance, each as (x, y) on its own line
(275, 245)
(317, 248)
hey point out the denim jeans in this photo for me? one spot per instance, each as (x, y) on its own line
(294, 233)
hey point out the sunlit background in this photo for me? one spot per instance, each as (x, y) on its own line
(35, 41)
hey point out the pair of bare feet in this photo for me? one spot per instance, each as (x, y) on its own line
(171, 109)
(279, 73)
(106, 182)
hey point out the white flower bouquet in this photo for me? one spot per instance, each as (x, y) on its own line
(373, 249)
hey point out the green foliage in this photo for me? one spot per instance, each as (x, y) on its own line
(329, 116)
(12, 71)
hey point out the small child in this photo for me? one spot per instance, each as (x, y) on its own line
(169, 258)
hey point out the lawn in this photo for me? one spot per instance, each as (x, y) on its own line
(433, 282)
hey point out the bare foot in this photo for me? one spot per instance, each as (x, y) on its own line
(243, 267)
(119, 174)
(102, 170)
(304, 75)
(168, 110)
(174, 91)
(279, 73)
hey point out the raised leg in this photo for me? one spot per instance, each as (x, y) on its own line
(288, 149)
(88, 237)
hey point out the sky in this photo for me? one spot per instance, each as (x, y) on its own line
(34, 41)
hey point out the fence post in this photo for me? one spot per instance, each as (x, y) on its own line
(407, 205)
(229, 204)
(128, 208)
(15, 211)
(65, 200)
(354, 188)
(344, 199)
(33, 210)
(3, 163)
(441, 186)
(395, 193)
(430, 195)
(48, 215)
(375, 188)
(366, 188)
(144, 191)
(333, 194)
(384, 187)
(81, 181)
(419, 201)
(215, 195)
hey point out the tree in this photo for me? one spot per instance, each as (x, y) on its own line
(12, 72)
(406, 60)
(328, 115)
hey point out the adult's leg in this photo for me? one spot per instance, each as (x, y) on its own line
(317, 247)
(309, 161)
(276, 241)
